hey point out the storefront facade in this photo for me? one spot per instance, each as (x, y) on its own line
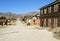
(50, 15)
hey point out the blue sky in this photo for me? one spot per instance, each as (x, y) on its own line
(22, 6)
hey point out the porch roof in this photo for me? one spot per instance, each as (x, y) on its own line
(51, 16)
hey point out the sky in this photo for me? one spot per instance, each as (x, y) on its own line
(22, 6)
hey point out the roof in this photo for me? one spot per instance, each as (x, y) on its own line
(51, 16)
(50, 4)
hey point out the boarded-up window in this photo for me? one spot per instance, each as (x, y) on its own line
(45, 11)
(41, 12)
(58, 22)
(49, 10)
(56, 7)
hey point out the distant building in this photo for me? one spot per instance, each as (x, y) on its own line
(34, 20)
(50, 15)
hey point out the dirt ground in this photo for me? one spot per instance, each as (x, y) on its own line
(22, 32)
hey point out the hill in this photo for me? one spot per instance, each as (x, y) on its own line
(13, 15)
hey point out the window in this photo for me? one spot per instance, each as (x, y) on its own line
(56, 8)
(44, 22)
(41, 12)
(45, 11)
(58, 22)
(49, 22)
(49, 10)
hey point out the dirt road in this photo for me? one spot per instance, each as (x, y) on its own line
(21, 32)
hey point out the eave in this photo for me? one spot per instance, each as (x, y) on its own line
(55, 2)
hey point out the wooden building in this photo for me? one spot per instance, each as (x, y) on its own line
(50, 15)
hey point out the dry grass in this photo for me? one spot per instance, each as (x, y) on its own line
(2, 26)
(50, 30)
(56, 36)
